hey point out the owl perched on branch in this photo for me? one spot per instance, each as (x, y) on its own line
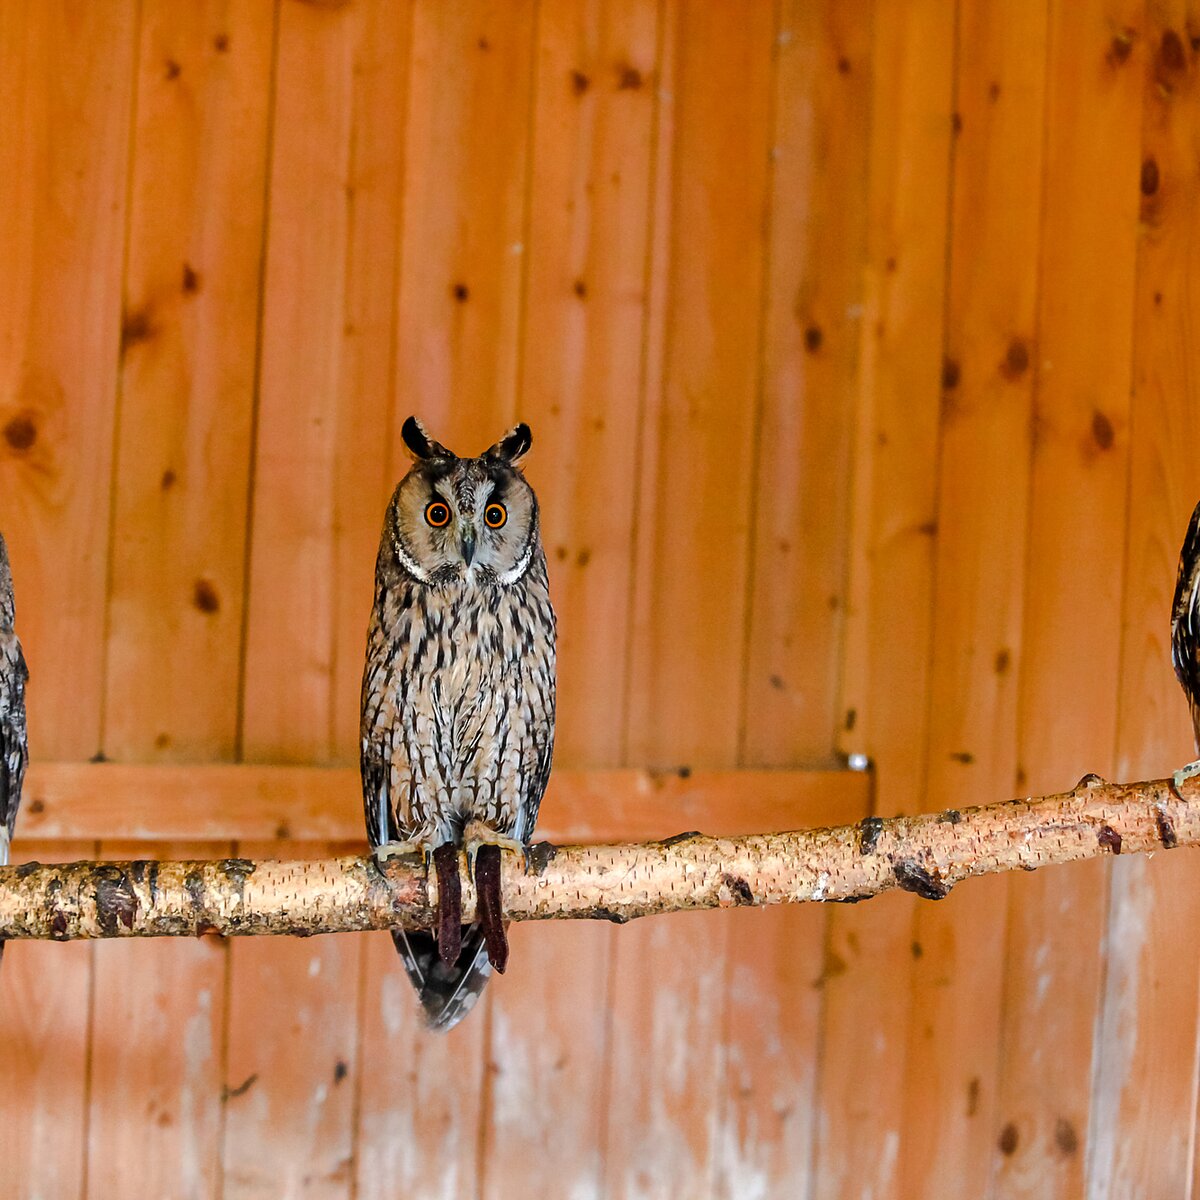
(14, 748)
(458, 696)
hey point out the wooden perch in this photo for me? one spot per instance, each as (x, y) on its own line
(925, 854)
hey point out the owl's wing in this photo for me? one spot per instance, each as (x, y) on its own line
(14, 750)
(540, 690)
(377, 716)
(1185, 620)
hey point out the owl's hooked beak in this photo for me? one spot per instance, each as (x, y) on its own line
(466, 539)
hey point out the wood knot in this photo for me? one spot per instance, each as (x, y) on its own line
(205, 597)
(1008, 1140)
(1016, 359)
(21, 432)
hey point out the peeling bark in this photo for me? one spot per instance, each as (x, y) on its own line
(927, 854)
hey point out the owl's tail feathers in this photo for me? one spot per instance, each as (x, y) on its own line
(447, 992)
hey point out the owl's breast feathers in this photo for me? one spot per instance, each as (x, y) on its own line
(458, 706)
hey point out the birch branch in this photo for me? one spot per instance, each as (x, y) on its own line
(926, 854)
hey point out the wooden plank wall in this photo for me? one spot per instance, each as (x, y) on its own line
(856, 341)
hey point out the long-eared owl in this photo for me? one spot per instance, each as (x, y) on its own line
(458, 696)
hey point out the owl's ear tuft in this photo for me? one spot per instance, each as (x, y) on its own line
(512, 447)
(418, 442)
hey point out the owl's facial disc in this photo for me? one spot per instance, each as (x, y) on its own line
(467, 520)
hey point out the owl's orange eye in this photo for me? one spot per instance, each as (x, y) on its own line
(495, 515)
(437, 513)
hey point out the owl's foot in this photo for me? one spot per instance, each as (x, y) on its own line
(476, 835)
(449, 903)
(489, 908)
(403, 850)
(1186, 772)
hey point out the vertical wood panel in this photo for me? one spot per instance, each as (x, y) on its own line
(983, 490)
(67, 72)
(691, 590)
(1077, 522)
(66, 95)
(158, 1018)
(1146, 1038)
(187, 380)
(810, 348)
(421, 1092)
(45, 995)
(465, 195)
(290, 1075)
(695, 517)
(549, 1033)
(321, 446)
(887, 651)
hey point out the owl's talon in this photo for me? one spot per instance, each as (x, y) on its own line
(403, 850)
(449, 903)
(1186, 772)
(476, 835)
(490, 908)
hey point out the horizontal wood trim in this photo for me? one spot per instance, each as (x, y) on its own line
(221, 803)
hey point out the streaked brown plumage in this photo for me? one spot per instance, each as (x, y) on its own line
(14, 747)
(458, 693)
(1185, 628)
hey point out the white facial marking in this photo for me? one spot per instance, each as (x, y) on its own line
(515, 573)
(409, 563)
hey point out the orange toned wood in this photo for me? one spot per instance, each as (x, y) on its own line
(888, 647)
(550, 1024)
(465, 219)
(217, 803)
(668, 1011)
(810, 349)
(596, 98)
(290, 1072)
(864, 980)
(1148, 1025)
(187, 381)
(811, 344)
(1076, 530)
(772, 1036)
(157, 1038)
(694, 515)
(951, 1061)
(323, 418)
(67, 91)
(45, 990)
(691, 596)
(419, 1124)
